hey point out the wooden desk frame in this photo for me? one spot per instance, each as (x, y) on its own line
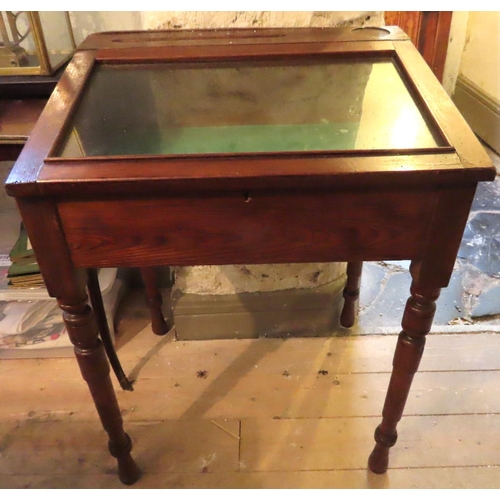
(340, 205)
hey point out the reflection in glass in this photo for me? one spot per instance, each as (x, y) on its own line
(17, 46)
(245, 107)
(58, 36)
(33, 43)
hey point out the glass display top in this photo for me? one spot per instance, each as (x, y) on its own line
(246, 107)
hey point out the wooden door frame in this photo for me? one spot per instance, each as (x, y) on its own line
(429, 32)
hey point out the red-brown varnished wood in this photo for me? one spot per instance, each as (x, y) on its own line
(169, 176)
(429, 31)
(267, 36)
(441, 107)
(244, 51)
(417, 322)
(444, 238)
(82, 330)
(433, 42)
(10, 152)
(248, 228)
(50, 126)
(351, 294)
(409, 21)
(154, 300)
(43, 226)
(18, 117)
(68, 284)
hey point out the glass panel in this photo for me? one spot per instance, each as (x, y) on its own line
(17, 45)
(246, 107)
(57, 36)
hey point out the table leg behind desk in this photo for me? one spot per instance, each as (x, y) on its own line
(351, 294)
(154, 300)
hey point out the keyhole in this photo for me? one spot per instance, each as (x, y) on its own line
(246, 194)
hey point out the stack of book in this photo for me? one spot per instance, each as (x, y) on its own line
(31, 324)
(24, 271)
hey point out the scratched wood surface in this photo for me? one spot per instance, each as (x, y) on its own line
(265, 413)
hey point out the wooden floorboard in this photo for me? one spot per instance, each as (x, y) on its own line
(268, 413)
(448, 478)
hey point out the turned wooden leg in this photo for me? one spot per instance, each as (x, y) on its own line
(417, 322)
(351, 294)
(82, 329)
(154, 300)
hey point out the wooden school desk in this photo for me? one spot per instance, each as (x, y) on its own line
(247, 147)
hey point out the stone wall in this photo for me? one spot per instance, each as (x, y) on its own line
(245, 19)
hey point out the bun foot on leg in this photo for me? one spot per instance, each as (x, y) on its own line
(128, 471)
(417, 322)
(94, 366)
(379, 457)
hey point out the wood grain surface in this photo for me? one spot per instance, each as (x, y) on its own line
(248, 228)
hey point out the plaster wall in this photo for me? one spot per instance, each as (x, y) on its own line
(456, 43)
(480, 60)
(86, 23)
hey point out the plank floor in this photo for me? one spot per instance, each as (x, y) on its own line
(266, 413)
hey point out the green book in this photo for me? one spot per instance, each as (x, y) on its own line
(21, 269)
(22, 251)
